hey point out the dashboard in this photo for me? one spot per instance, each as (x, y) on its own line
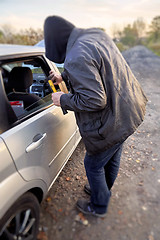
(39, 87)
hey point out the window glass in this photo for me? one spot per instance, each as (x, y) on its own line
(37, 96)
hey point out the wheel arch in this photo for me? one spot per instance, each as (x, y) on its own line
(15, 186)
(38, 193)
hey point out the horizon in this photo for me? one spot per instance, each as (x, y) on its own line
(82, 13)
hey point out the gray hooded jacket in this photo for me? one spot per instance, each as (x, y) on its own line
(107, 99)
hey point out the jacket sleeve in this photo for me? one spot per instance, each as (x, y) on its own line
(89, 93)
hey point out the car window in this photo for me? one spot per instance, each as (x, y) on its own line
(27, 86)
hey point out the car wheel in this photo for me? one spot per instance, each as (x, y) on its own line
(21, 220)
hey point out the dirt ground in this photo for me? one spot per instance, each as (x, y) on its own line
(134, 209)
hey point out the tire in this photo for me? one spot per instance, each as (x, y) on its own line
(21, 220)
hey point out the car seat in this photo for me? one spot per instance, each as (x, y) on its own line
(20, 79)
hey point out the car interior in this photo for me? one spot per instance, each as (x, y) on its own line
(26, 87)
(24, 79)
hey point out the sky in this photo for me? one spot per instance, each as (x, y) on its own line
(82, 13)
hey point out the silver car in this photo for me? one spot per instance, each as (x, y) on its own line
(36, 139)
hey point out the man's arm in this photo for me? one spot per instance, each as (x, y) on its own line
(89, 93)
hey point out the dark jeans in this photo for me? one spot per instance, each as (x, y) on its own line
(101, 170)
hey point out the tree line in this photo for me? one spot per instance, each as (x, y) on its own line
(137, 33)
(23, 37)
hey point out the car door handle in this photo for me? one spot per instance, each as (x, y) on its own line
(37, 141)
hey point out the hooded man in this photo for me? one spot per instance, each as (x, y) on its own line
(105, 96)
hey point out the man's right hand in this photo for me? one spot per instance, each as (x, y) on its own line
(55, 77)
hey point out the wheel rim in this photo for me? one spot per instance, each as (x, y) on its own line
(21, 226)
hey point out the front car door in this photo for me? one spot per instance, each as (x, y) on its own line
(43, 138)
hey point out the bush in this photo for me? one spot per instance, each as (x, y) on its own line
(26, 37)
(121, 46)
(155, 47)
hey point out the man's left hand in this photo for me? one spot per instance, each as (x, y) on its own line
(56, 98)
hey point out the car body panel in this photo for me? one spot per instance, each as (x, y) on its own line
(6, 162)
(16, 187)
(12, 185)
(9, 51)
(59, 131)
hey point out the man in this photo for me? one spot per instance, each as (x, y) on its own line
(105, 96)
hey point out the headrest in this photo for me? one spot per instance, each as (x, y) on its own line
(20, 78)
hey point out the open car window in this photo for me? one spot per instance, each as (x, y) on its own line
(27, 98)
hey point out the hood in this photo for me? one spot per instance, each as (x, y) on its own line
(56, 33)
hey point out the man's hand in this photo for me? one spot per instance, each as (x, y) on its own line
(56, 98)
(55, 77)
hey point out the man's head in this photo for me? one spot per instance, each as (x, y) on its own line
(56, 33)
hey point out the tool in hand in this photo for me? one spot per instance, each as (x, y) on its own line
(52, 86)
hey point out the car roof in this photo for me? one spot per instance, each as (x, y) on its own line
(8, 51)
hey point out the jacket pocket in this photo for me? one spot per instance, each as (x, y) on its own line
(91, 129)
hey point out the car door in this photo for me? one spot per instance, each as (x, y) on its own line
(42, 140)
(41, 145)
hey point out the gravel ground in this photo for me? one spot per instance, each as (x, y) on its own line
(134, 209)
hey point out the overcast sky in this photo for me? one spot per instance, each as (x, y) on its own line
(83, 13)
